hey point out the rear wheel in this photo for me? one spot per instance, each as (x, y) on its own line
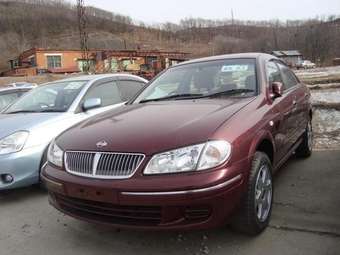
(305, 149)
(255, 211)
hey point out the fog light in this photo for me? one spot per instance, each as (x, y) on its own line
(7, 178)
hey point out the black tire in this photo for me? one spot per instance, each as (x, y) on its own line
(246, 220)
(305, 149)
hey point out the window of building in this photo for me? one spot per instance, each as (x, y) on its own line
(32, 61)
(54, 61)
(14, 63)
(86, 65)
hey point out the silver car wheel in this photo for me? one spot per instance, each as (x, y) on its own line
(263, 193)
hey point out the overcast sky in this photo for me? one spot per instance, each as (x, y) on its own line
(154, 11)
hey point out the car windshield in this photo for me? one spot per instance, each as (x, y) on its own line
(6, 99)
(231, 77)
(54, 97)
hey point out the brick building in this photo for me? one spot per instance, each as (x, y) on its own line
(38, 61)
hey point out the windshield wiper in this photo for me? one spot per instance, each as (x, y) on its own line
(196, 96)
(178, 96)
(229, 92)
(21, 111)
(52, 110)
(38, 111)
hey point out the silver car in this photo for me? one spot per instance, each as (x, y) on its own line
(29, 125)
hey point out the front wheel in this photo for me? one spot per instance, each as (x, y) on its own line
(305, 149)
(255, 211)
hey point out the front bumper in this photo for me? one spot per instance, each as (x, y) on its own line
(113, 203)
(23, 166)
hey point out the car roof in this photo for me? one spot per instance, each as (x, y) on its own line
(254, 55)
(95, 77)
(9, 89)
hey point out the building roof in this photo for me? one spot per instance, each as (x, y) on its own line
(144, 52)
(286, 53)
(254, 55)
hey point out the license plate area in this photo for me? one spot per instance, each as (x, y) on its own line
(94, 194)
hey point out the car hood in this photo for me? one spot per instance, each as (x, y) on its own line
(152, 127)
(10, 123)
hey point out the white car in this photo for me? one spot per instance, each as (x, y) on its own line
(306, 64)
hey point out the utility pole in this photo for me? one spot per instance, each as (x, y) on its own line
(232, 23)
(232, 17)
(83, 36)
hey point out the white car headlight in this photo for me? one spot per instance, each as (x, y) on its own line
(192, 158)
(55, 155)
(13, 143)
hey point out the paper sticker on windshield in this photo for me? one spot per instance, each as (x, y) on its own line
(234, 68)
(74, 85)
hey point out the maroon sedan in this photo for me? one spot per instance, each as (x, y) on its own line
(195, 149)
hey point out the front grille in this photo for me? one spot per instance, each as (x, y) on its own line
(81, 163)
(102, 164)
(108, 213)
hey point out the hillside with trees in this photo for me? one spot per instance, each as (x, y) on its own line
(53, 24)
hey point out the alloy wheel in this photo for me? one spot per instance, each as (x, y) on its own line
(263, 193)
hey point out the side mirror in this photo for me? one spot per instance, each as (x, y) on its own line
(277, 89)
(92, 103)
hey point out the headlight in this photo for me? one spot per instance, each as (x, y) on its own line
(214, 154)
(192, 158)
(55, 154)
(13, 143)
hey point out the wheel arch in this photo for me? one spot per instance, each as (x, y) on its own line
(263, 142)
(44, 157)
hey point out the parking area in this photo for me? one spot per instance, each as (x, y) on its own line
(305, 220)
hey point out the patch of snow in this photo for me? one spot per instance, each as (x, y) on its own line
(326, 95)
(326, 127)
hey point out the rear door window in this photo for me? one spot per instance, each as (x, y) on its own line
(108, 92)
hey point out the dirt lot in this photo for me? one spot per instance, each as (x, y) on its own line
(305, 220)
